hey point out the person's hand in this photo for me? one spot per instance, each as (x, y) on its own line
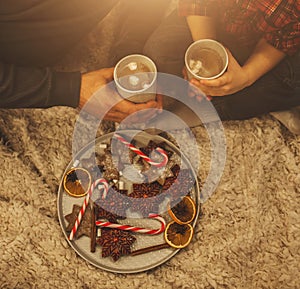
(107, 103)
(233, 80)
(134, 111)
(194, 90)
(92, 82)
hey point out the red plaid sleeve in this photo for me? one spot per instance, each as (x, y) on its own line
(286, 41)
(197, 7)
(281, 26)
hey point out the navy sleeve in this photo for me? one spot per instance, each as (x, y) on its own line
(31, 87)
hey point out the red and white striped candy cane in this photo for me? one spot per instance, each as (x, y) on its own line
(86, 202)
(136, 229)
(142, 155)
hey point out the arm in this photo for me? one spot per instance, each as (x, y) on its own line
(24, 87)
(108, 104)
(200, 15)
(262, 60)
(201, 27)
(31, 87)
(269, 51)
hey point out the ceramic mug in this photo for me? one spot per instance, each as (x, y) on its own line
(135, 77)
(206, 59)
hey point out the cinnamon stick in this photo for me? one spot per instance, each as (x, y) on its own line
(149, 249)
(93, 230)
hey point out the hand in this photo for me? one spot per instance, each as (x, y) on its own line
(194, 90)
(233, 80)
(134, 111)
(92, 82)
(100, 105)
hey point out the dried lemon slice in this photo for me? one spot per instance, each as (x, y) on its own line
(184, 212)
(178, 236)
(77, 182)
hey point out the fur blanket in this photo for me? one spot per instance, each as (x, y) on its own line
(247, 237)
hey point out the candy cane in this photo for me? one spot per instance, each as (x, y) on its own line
(85, 204)
(136, 229)
(142, 155)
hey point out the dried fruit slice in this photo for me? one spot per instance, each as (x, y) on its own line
(184, 212)
(77, 182)
(178, 236)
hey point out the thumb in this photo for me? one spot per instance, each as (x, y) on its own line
(107, 73)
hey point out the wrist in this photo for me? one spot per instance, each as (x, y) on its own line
(249, 77)
(82, 92)
(201, 27)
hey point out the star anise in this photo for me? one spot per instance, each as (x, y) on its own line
(146, 198)
(115, 243)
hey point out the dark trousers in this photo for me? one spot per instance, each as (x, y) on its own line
(138, 20)
(38, 33)
(277, 90)
(35, 34)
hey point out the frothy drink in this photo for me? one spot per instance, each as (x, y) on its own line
(135, 76)
(206, 63)
(205, 59)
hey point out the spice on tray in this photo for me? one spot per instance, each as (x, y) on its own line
(115, 243)
(150, 249)
(183, 212)
(183, 183)
(169, 181)
(85, 204)
(84, 228)
(146, 198)
(93, 230)
(178, 236)
(77, 182)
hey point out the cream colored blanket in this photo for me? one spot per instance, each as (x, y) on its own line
(247, 237)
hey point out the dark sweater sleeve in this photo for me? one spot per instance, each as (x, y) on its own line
(31, 87)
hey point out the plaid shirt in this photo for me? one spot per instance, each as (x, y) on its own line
(278, 21)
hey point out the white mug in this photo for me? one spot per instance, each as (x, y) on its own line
(135, 77)
(206, 59)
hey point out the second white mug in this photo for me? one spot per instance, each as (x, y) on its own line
(206, 59)
(135, 77)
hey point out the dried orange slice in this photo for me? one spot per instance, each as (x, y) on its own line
(77, 182)
(184, 212)
(178, 236)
